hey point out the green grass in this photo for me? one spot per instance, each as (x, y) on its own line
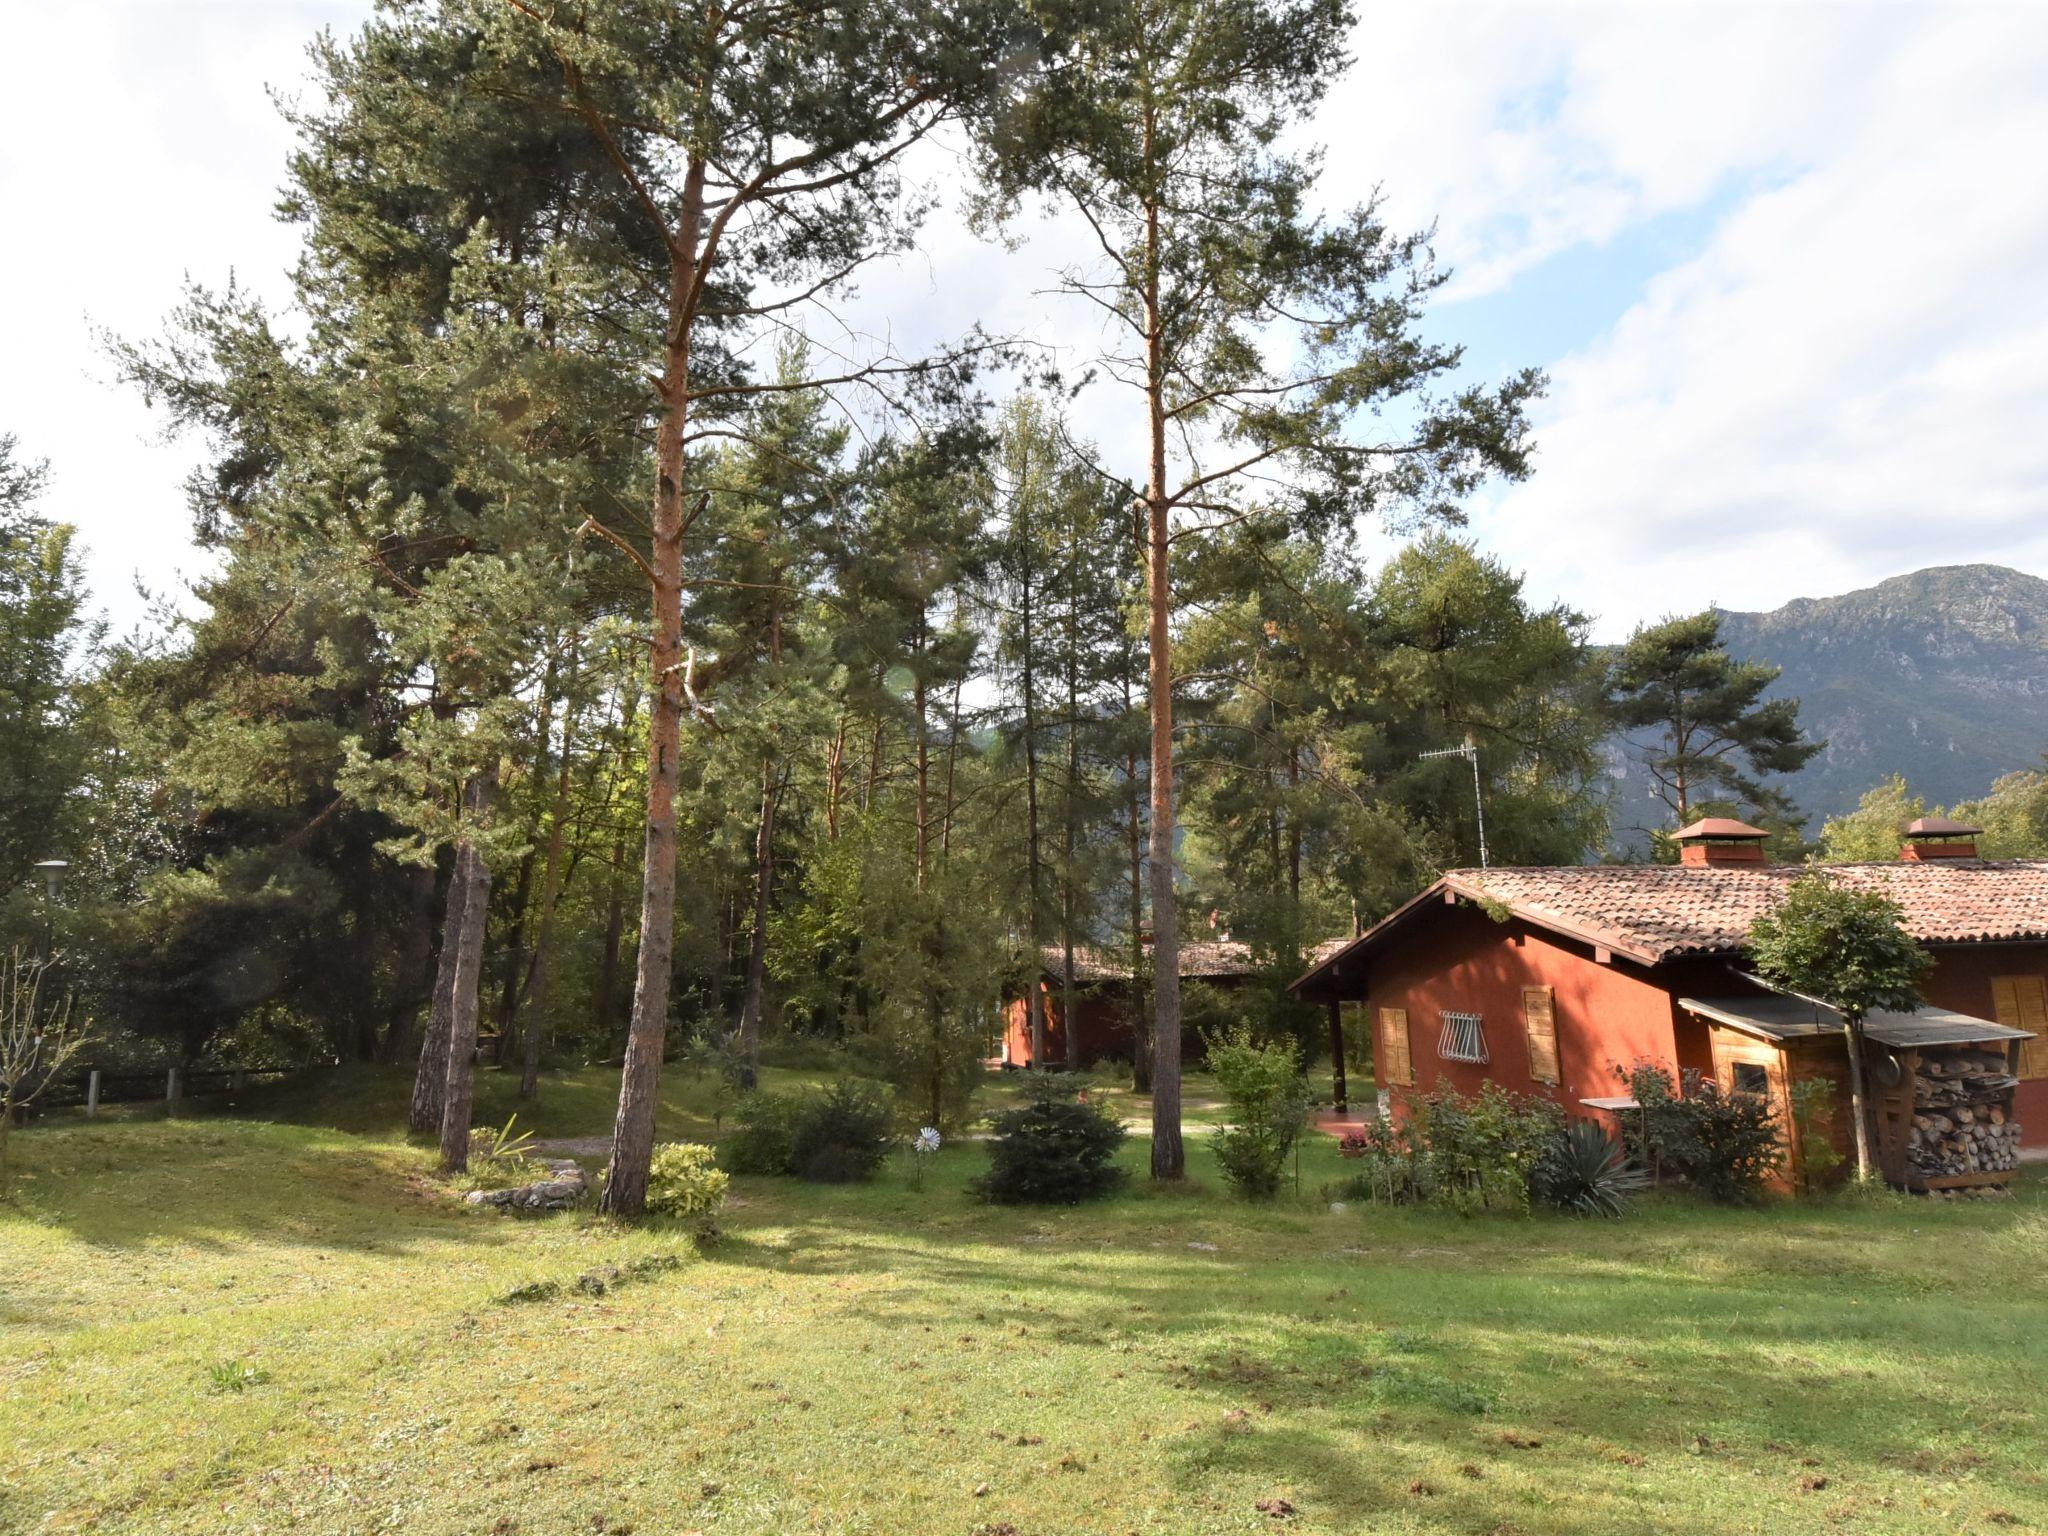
(242, 1325)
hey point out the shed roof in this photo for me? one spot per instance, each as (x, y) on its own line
(1781, 1017)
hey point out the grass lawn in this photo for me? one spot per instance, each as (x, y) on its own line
(273, 1321)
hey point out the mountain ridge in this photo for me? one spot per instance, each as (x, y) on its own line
(1940, 674)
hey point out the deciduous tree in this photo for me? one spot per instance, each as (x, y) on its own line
(1850, 950)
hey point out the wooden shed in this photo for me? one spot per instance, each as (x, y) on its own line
(1940, 1084)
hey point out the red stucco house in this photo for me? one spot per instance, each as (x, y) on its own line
(1548, 980)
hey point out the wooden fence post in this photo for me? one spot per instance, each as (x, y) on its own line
(174, 1086)
(92, 1093)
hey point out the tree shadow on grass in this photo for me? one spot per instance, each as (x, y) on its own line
(1447, 1375)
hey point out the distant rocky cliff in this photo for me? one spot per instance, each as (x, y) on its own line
(1941, 675)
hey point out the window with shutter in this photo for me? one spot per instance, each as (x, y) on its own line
(1539, 1016)
(2021, 1002)
(1396, 1067)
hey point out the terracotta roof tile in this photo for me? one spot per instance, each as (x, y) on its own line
(1660, 912)
(1200, 959)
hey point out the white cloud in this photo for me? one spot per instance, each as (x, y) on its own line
(141, 146)
(1848, 381)
(1843, 378)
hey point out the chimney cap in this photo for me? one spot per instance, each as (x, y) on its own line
(1720, 829)
(1941, 826)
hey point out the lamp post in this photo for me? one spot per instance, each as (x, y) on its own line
(52, 871)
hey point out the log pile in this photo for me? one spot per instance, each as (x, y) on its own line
(1962, 1114)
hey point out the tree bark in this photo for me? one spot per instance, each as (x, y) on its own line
(540, 978)
(1034, 872)
(625, 1187)
(1141, 1043)
(1169, 1157)
(757, 944)
(835, 778)
(466, 984)
(430, 1081)
(512, 978)
(1069, 1015)
(1852, 1031)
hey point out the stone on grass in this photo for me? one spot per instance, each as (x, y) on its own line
(566, 1185)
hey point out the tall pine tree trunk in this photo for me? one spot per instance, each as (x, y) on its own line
(1069, 1014)
(1169, 1157)
(430, 1080)
(512, 977)
(1034, 863)
(1141, 1031)
(757, 943)
(541, 976)
(465, 982)
(625, 1187)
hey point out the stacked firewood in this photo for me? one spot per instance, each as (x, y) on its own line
(1962, 1115)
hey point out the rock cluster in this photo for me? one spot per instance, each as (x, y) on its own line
(565, 1185)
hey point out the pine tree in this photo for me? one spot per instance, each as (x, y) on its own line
(1696, 719)
(46, 635)
(1160, 124)
(752, 154)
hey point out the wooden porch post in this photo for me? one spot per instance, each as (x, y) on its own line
(1337, 1055)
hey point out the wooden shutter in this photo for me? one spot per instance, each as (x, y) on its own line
(2021, 1002)
(1396, 1067)
(1539, 1017)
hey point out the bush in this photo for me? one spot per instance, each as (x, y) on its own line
(841, 1133)
(1468, 1154)
(1055, 1150)
(685, 1181)
(1587, 1171)
(1725, 1145)
(833, 1135)
(1268, 1106)
(1477, 1153)
(764, 1129)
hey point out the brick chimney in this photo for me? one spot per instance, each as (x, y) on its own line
(1936, 837)
(1717, 842)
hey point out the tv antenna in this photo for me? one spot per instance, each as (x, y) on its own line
(1470, 752)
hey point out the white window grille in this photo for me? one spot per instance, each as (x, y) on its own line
(1462, 1039)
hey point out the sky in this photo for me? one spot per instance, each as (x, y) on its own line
(1786, 267)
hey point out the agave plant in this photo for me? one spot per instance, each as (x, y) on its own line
(1587, 1171)
(499, 1154)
